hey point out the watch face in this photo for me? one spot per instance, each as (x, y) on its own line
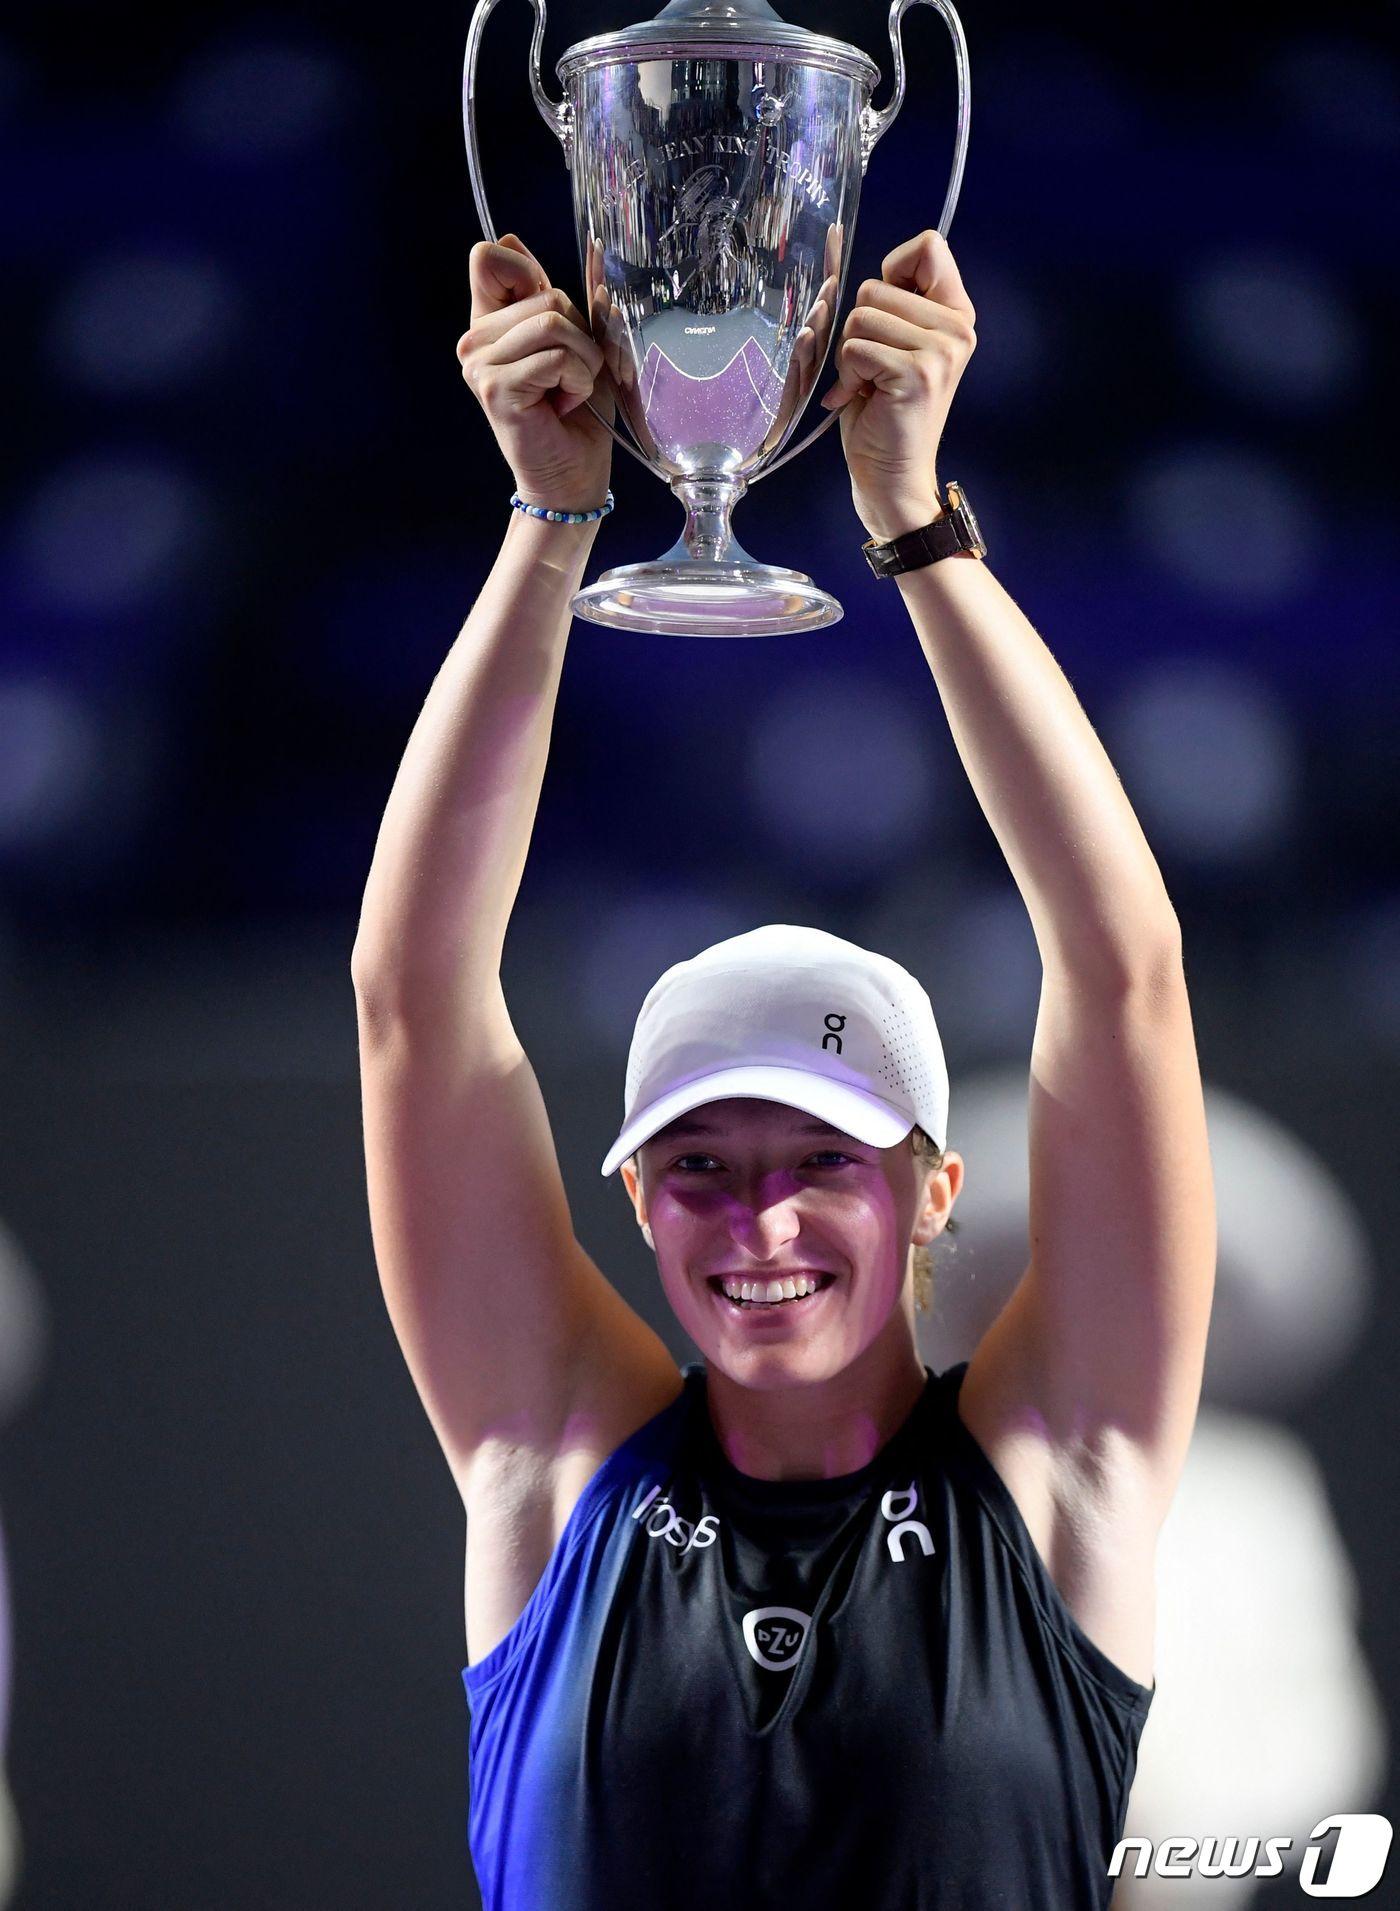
(973, 526)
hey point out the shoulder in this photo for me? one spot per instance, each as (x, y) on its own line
(519, 1503)
(1092, 1528)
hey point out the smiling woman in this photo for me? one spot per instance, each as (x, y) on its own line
(802, 1620)
(803, 1554)
(773, 1086)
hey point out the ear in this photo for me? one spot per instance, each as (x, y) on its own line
(631, 1180)
(941, 1190)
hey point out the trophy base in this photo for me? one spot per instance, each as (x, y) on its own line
(687, 597)
(707, 585)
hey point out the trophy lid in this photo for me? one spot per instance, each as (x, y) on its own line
(700, 29)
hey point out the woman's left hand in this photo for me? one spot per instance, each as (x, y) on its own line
(901, 353)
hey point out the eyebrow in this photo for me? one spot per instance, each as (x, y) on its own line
(683, 1130)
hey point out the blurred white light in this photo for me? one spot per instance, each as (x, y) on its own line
(1345, 90)
(1273, 328)
(1370, 959)
(839, 770)
(25, 1330)
(48, 753)
(633, 942)
(141, 323)
(106, 532)
(1208, 756)
(1265, 1704)
(1231, 524)
(1295, 1270)
(263, 100)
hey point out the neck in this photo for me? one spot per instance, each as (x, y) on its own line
(801, 1429)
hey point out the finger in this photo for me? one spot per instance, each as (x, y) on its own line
(608, 322)
(840, 396)
(495, 325)
(599, 313)
(823, 307)
(885, 366)
(925, 264)
(502, 275)
(917, 307)
(529, 379)
(543, 332)
(517, 244)
(831, 252)
(595, 270)
(850, 378)
(818, 326)
(888, 328)
(849, 383)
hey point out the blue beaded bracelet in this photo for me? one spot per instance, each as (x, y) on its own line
(561, 517)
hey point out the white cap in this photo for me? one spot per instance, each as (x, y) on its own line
(794, 1016)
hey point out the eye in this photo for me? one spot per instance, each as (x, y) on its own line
(830, 1157)
(686, 1164)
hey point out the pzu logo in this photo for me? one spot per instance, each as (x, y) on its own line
(774, 1635)
(832, 1038)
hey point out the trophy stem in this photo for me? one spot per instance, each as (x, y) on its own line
(707, 585)
(708, 537)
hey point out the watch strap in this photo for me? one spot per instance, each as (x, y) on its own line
(957, 530)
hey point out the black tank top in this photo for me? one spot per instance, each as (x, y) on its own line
(744, 1694)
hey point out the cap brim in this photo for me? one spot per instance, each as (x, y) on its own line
(853, 1110)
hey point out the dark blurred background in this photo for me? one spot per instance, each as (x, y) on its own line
(247, 504)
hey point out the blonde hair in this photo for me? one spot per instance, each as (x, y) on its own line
(930, 1155)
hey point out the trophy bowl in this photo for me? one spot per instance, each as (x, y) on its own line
(717, 154)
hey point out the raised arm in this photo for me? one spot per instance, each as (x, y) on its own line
(456, 829)
(491, 1297)
(1104, 1339)
(451, 848)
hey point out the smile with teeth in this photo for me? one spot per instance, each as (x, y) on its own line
(757, 1294)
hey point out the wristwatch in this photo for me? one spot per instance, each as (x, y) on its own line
(957, 530)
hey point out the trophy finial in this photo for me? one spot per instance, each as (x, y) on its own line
(720, 13)
(687, 28)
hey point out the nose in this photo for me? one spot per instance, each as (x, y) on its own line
(763, 1217)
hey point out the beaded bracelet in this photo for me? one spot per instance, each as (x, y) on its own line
(561, 517)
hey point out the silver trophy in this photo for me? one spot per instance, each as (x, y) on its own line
(717, 155)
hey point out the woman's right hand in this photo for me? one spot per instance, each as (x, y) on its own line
(531, 362)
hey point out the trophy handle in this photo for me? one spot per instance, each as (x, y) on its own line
(873, 127)
(558, 116)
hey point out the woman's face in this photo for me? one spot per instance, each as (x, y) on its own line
(755, 1191)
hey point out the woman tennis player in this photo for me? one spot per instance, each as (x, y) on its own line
(802, 1623)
